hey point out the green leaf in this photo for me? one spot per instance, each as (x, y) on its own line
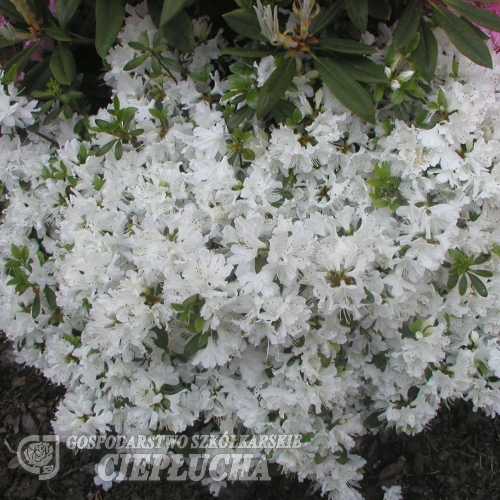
(252, 54)
(425, 55)
(16, 252)
(109, 16)
(66, 10)
(408, 24)
(349, 92)
(483, 17)
(318, 459)
(361, 69)
(452, 280)
(171, 8)
(35, 307)
(276, 85)
(135, 62)
(154, 11)
(172, 64)
(373, 420)
(177, 307)
(481, 272)
(326, 18)
(118, 150)
(398, 96)
(462, 286)
(240, 115)
(51, 297)
(179, 32)
(199, 324)
(357, 10)
(482, 259)
(21, 59)
(58, 34)
(62, 64)
(245, 23)
(104, 149)
(198, 342)
(478, 285)
(380, 9)
(8, 10)
(345, 46)
(380, 203)
(463, 37)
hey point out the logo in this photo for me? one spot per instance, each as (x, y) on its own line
(39, 455)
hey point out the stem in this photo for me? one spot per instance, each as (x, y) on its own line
(164, 67)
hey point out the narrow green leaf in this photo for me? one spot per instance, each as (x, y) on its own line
(245, 23)
(137, 46)
(481, 272)
(119, 150)
(408, 24)
(154, 11)
(62, 64)
(135, 62)
(345, 46)
(199, 324)
(252, 54)
(349, 92)
(276, 85)
(8, 10)
(104, 149)
(462, 286)
(452, 280)
(361, 69)
(35, 307)
(483, 17)
(425, 55)
(51, 297)
(463, 37)
(380, 9)
(481, 259)
(179, 32)
(381, 203)
(240, 115)
(109, 16)
(199, 341)
(171, 8)
(65, 10)
(326, 18)
(357, 10)
(478, 285)
(58, 34)
(21, 59)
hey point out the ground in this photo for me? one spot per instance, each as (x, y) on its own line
(456, 458)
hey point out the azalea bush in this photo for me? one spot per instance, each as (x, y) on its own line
(235, 242)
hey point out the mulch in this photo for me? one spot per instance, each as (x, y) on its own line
(456, 458)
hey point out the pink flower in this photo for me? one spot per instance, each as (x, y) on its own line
(495, 35)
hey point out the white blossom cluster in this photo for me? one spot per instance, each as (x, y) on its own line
(321, 315)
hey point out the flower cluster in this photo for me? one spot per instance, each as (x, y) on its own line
(287, 279)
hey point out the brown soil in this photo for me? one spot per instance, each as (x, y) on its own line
(456, 458)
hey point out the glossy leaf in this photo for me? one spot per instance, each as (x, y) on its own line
(197, 343)
(463, 37)
(62, 64)
(51, 297)
(357, 10)
(425, 55)
(245, 23)
(109, 16)
(361, 69)
(345, 46)
(170, 10)
(452, 280)
(135, 62)
(179, 32)
(21, 59)
(349, 92)
(35, 307)
(408, 24)
(380, 9)
(276, 85)
(478, 285)
(462, 286)
(483, 17)
(65, 10)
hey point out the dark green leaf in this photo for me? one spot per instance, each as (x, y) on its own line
(276, 85)
(361, 69)
(241, 114)
(426, 54)
(179, 32)
(452, 280)
(135, 62)
(172, 64)
(35, 307)
(478, 285)
(104, 149)
(119, 150)
(51, 297)
(483, 258)
(245, 23)
(199, 341)
(137, 46)
(408, 24)
(462, 286)
(481, 272)
(21, 59)
(154, 11)
(58, 34)
(357, 10)
(171, 8)
(463, 37)
(62, 64)
(373, 420)
(349, 92)
(252, 54)
(483, 17)
(379, 9)
(66, 10)
(345, 46)
(326, 18)
(199, 324)
(109, 20)
(318, 459)
(8, 10)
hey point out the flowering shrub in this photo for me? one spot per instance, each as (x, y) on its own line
(175, 259)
